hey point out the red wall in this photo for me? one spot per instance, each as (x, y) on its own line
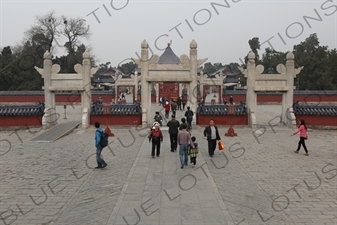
(116, 119)
(315, 98)
(222, 120)
(237, 98)
(20, 121)
(311, 120)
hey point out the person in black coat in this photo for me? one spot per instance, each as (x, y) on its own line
(173, 125)
(231, 100)
(212, 134)
(179, 104)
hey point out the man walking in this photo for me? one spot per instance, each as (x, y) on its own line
(179, 103)
(173, 125)
(184, 139)
(173, 106)
(212, 134)
(98, 135)
(184, 102)
(189, 117)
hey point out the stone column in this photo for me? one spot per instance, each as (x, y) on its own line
(202, 85)
(180, 89)
(86, 95)
(135, 91)
(146, 94)
(150, 114)
(221, 88)
(250, 94)
(193, 74)
(157, 92)
(289, 96)
(49, 119)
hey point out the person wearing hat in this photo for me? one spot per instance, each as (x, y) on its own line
(157, 137)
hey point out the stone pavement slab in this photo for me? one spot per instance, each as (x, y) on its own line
(257, 179)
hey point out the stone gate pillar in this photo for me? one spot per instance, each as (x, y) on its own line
(289, 96)
(202, 85)
(146, 92)
(157, 92)
(192, 101)
(135, 90)
(221, 88)
(50, 117)
(250, 94)
(86, 94)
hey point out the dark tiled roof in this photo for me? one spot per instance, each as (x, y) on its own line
(22, 110)
(104, 79)
(221, 109)
(168, 57)
(109, 72)
(117, 109)
(230, 79)
(226, 70)
(314, 110)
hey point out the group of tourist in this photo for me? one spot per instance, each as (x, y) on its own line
(120, 100)
(179, 103)
(180, 135)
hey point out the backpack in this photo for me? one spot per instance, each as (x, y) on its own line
(189, 116)
(104, 139)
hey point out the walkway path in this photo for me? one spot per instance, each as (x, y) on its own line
(158, 191)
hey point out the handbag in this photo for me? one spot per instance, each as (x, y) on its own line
(221, 145)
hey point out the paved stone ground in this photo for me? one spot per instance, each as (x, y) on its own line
(255, 180)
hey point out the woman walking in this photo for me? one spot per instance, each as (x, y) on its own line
(303, 136)
(157, 137)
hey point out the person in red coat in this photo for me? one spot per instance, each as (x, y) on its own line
(167, 110)
(303, 136)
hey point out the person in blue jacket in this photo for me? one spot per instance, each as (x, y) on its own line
(98, 135)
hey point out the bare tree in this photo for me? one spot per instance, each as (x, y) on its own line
(45, 31)
(73, 29)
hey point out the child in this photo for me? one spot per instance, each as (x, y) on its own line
(157, 137)
(158, 118)
(183, 120)
(303, 136)
(193, 152)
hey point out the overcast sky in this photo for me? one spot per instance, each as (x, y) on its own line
(222, 33)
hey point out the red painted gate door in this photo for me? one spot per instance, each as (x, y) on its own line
(169, 90)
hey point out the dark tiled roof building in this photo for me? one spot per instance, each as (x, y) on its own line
(168, 57)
